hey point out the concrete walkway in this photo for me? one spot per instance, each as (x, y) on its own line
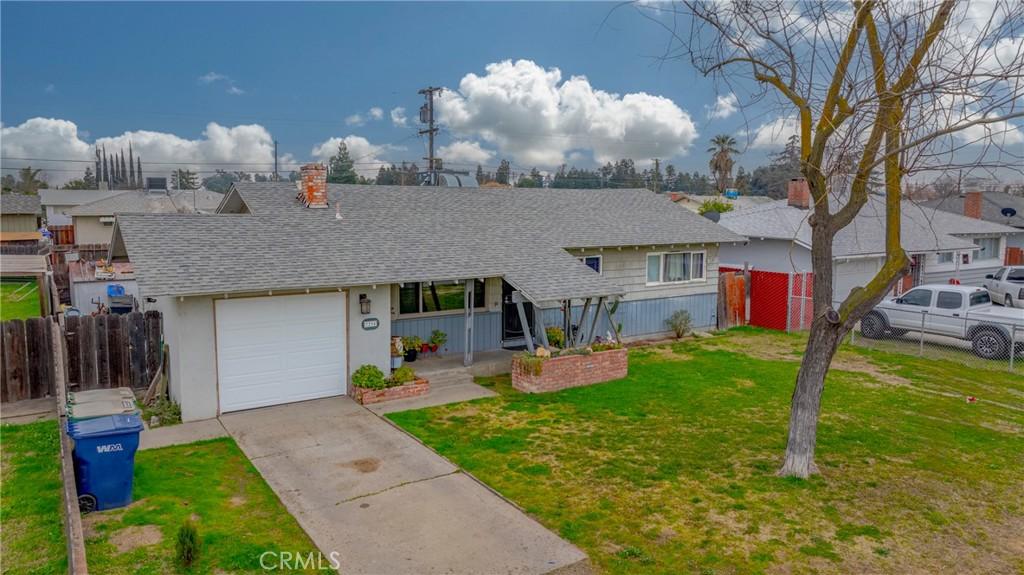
(384, 502)
(181, 434)
(28, 410)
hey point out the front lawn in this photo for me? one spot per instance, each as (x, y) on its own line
(672, 470)
(19, 299)
(237, 515)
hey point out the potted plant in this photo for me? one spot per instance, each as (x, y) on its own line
(412, 344)
(424, 346)
(437, 339)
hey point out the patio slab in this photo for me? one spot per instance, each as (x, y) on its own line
(181, 433)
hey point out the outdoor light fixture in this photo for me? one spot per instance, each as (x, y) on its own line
(364, 304)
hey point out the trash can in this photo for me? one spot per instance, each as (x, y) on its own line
(101, 406)
(116, 393)
(104, 456)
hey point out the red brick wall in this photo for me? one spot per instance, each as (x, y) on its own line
(567, 371)
(411, 389)
(314, 185)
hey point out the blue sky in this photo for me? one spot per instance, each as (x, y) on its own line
(299, 70)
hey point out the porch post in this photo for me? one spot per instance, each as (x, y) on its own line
(517, 298)
(597, 316)
(467, 299)
(611, 321)
(538, 326)
(581, 334)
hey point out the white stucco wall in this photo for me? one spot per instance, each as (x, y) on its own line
(369, 346)
(89, 230)
(768, 255)
(83, 293)
(55, 215)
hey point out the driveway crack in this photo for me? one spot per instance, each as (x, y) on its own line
(403, 484)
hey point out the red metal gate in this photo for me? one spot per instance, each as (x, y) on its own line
(780, 300)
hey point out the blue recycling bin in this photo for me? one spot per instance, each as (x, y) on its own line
(104, 456)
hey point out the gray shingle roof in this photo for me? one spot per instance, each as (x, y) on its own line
(19, 204)
(394, 234)
(923, 229)
(60, 197)
(991, 207)
(142, 202)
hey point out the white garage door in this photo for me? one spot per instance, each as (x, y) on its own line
(280, 349)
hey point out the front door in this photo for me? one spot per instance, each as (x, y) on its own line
(511, 326)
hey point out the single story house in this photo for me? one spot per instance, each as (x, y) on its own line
(943, 246)
(996, 207)
(94, 221)
(56, 203)
(693, 202)
(279, 296)
(19, 218)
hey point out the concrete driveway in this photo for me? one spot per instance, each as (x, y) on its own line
(385, 503)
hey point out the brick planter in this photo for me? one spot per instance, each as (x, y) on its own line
(567, 371)
(412, 389)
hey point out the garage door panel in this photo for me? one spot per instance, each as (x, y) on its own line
(280, 349)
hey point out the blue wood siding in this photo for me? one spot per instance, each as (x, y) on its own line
(647, 316)
(486, 330)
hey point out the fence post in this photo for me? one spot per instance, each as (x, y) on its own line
(1013, 344)
(920, 350)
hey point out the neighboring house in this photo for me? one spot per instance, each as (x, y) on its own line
(988, 206)
(94, 221)
(89, 283)
(56, 203)
(943, 246)
(19, 218)
(270, 301)
(693, 202)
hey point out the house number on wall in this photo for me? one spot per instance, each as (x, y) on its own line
(371, 323)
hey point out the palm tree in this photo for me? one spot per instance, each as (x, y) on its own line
(29, 182)
(721, 150)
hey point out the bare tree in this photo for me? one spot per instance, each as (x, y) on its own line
(874, 88)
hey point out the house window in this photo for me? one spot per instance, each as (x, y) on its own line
(989, 248)
(422, 297)
(945, 257)
(675, 267)
(592, 262)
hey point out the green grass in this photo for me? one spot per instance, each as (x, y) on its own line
(31, 528)
(237, 515)
(672, 469)
(23, 305)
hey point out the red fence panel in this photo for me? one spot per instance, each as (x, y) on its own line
(768, 299)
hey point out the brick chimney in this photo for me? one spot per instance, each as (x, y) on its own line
(972, 205)
(313, 190)
(799, 194)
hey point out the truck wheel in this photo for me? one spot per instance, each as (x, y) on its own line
(86, 503)
(1008, 301)
(872, 326)
(989, 344)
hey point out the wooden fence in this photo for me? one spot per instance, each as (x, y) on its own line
(103, 351)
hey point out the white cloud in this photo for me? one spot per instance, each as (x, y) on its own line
(774, 134)
(354, 120)
(1000, 133)
(211, 77)
(217, 78)
(534, 117)
(50, 89)
(250, 146)
(464, 152)
(376, 113)
(398, 117)
(724, 107)
(235, 91)
(365, 155)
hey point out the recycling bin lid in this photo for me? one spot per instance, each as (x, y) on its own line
(116, 393)
(99, 408)
(104, 426)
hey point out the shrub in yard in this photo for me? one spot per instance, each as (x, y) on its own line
(531, 364)
(166, 412)
(404, 374)
(187, 546)
(605, 346)
(556, 337)
(369, 377)
(679, 322)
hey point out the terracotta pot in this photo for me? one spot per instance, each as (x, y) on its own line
(424, 347)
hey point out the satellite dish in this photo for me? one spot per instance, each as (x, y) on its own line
(1008, 212)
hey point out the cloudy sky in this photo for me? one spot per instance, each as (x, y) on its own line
(213, 85)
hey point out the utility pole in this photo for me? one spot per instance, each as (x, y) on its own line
(427, 117)
(657, 175)
(276, 177)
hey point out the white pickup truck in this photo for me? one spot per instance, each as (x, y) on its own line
(1006, 286)
(962, 312)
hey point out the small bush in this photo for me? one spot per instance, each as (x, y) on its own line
(369, 377)
(404, 374)
(187, 546)
(714, 205)
(556, 336)
(166, 411)
(605, 346)
(679, 322)
(531, 364)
